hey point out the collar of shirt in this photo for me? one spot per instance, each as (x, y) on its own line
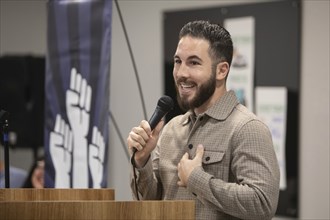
(219, 111)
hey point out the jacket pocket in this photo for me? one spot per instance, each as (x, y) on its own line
(211, 157)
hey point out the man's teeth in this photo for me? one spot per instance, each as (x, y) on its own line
(186, 85)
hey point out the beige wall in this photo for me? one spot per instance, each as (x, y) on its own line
(314, 111)
(23, 31)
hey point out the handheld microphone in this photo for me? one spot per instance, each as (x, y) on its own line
(164, 105)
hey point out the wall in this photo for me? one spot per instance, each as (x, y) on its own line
(23, 31)
(314, 111)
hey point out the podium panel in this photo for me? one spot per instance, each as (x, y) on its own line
(90, 210)
(86, 204)
(19, 194)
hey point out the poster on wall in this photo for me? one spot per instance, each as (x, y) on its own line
(271, 108)
(241, 75)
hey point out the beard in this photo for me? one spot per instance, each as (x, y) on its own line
(203, 93)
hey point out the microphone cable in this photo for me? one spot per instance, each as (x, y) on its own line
(137, 80)
(133, 60)
(119, 133)
(126, 151)
(140, 92)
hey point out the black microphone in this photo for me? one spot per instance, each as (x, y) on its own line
(164, 105)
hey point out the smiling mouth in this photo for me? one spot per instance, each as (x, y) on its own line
(186, 85)
(186, 89)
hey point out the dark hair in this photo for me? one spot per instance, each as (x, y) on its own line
(221, 45)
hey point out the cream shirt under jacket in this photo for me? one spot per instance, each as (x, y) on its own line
(239, 177)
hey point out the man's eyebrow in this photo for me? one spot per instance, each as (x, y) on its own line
(189, 58)
(194, 57)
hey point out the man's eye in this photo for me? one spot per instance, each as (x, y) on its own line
(194, 63)
(177, 61)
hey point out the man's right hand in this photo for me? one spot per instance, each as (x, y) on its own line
(144, 141)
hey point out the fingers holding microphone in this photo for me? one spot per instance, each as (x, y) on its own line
(142, 137)
(142, 140)
(138, 136)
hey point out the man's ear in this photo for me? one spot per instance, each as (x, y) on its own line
(222, 70)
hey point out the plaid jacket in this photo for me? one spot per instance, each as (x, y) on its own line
(239, 177)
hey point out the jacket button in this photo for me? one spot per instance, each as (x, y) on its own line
(190, 146)
(207, 158)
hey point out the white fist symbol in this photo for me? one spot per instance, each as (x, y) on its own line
(78, 101)
(60, 144)
(96, 157)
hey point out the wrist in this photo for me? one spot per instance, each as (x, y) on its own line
(139, 159)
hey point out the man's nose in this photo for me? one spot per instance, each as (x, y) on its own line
(182, 71)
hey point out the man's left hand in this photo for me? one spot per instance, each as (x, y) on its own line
(186, 166)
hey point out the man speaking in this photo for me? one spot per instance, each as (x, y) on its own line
(218, 153)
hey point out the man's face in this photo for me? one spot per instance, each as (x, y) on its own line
(193, 74)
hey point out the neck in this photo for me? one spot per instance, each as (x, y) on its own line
(218, 93)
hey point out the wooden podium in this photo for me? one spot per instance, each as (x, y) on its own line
(87, 204)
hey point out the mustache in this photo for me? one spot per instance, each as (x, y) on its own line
(184, 80)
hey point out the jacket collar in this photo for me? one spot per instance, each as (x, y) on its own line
(219, 111)
(224, 106)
